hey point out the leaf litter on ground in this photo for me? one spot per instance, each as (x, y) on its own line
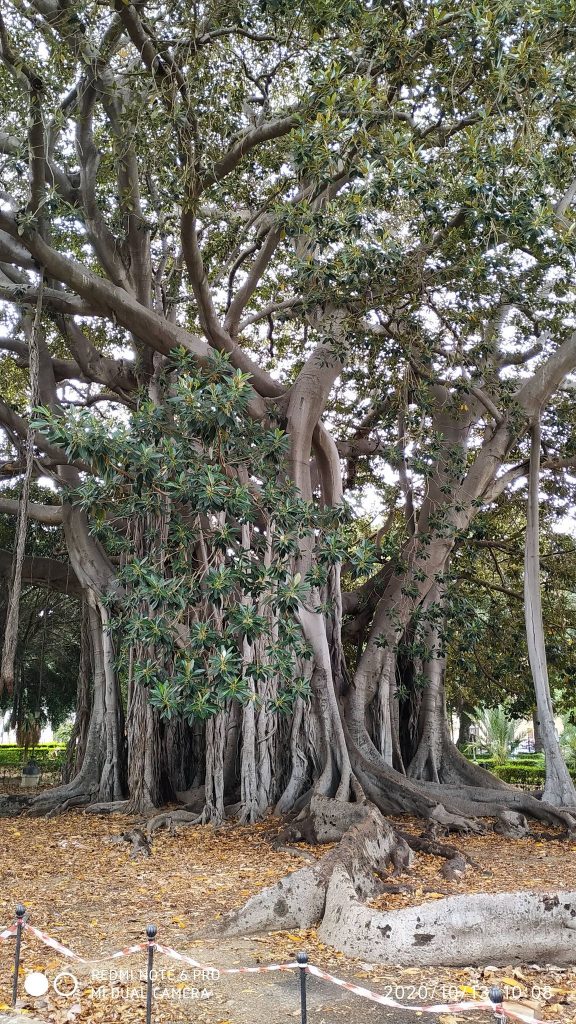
(90, 895)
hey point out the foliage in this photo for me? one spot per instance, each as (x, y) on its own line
(64, 731)
(50, 757)
(47, 655)
(372, 215)
(211, 604)
(520, 774)
(28, 729)
(487, 654)
(568, 744)
(528, 770)
(497, 732)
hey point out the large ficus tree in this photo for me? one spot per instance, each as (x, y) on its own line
(368, 209)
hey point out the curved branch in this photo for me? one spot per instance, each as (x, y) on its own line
(11, 251)
(537, 389)
(49, 515)
(247, 289)
(59, 301)
(113, 373)
(515, 473)
(43, 572)
(265, 385)
(111, 300)
(243, 144)
(284, 307)
(63, 369)
(103, 241)
(158, 333)
(19, 426)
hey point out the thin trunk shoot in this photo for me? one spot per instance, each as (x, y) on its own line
(559, 788)
(13, 614)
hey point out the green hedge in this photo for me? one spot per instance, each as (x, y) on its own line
(520, 773)
(53, 745)
(49, 757)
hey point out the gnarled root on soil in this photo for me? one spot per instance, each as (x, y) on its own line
(12, 805)
(500, 929)
(140, 843)
(169, 819)
(55, 801)
(108, 807)
(456, 862)
(367, 844)
(458, 930)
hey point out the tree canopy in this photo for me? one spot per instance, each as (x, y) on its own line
(265, 267)
(48, 648)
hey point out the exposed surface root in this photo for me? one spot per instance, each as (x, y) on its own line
(294, 851)
(367, 845)
(169, 819)
(55, 801)
(394, 793)
(322, 821)
(403, 888)
(511, 824)
(112, 807)
(456, 861)
(444, 821)
(73, 801)
(457, 930)
(12, 806)
(140, 843)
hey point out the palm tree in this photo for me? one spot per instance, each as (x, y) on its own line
(497, 732)
(568, 741)
(28, 730)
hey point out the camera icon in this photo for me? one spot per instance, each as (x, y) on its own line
(37, 984)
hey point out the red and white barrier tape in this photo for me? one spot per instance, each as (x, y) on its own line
(259, 970)
(65, 951)
(129, 950)
(359, 990)
(168, 951)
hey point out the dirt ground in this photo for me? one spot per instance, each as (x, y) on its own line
(88, 893)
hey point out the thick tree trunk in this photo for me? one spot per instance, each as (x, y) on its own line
(464, 724)
(559, 788)
(112, 779)
(368, 845)
(214, 784)
(437, 758)
(100, 777)
(345, 742)
(76, 748)
(180, 755)
(144, 753)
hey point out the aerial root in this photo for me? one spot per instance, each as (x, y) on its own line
(169, 819)
(58, 800)
(108, 807)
